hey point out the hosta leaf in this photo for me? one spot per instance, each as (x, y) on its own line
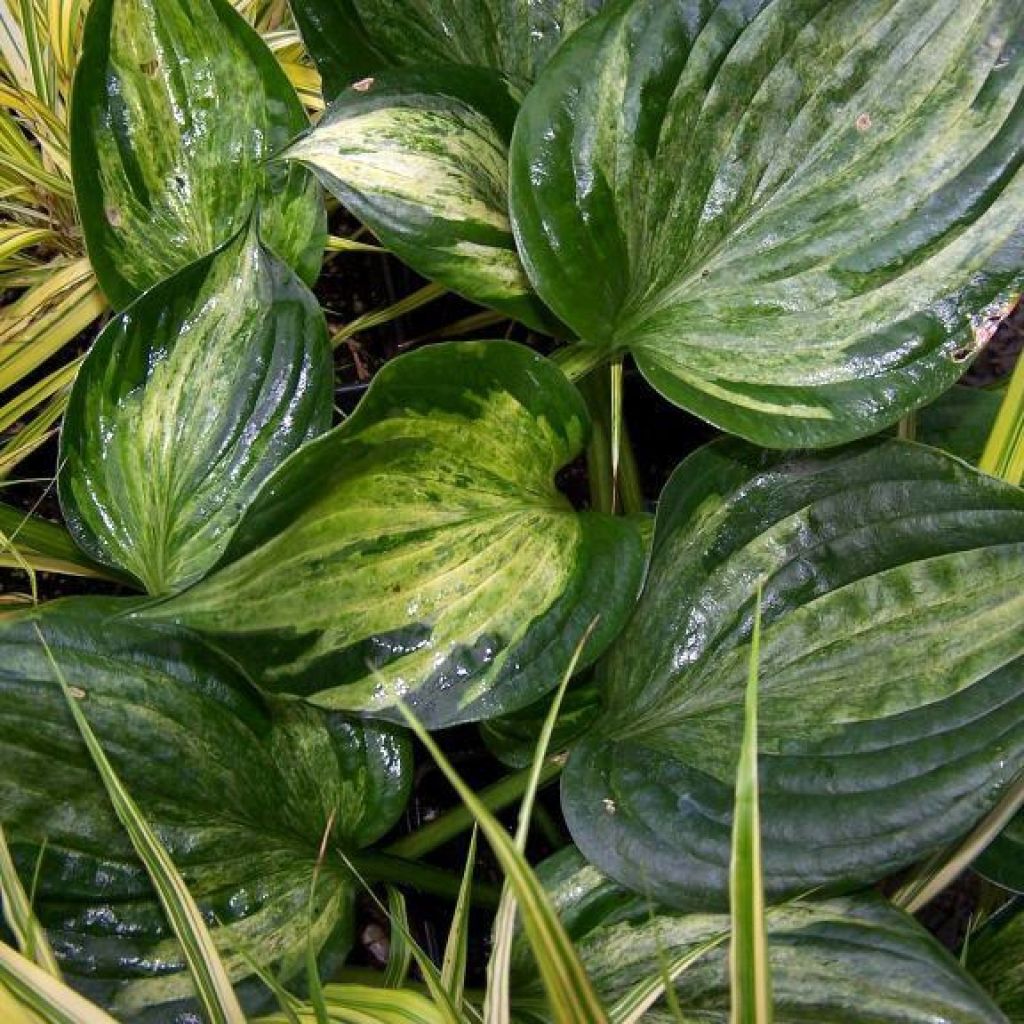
(178, 104)
(240, 793)
(422, 551)
(512, 739)
(996, 959)
(421, 157)
(960, 421)
(1002, 861)
(186, 403)
(349, 39)
(891, 692)
(843, 961)
(787, 210)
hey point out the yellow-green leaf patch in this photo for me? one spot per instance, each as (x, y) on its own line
(187, 401)
(178, 104)
(421, 551)
(792, 212)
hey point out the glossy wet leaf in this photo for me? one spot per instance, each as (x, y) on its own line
(840, 961)
(891, 705)
(996, 959)
(421, 157)
(178, 104)
(240, 792)
(350, 39)
(1002, 861)
(787, 210)
(187, 401)
(422, 550)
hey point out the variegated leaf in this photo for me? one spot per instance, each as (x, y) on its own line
(787, 210)
(187, 401)
(891, 691)
(421, 157)
(178, 104)
(240, 792)
(421, 551)
(841, 961)
(350, 39)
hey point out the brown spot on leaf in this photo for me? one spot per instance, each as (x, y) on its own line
(363, 85)
(114, 218)
(863, 122)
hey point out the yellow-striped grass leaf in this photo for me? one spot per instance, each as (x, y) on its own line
(750, 988)
(363, 1004)
(421, 157)
(571, 998)
(186, 403)
(177, 106)
(421, 551)
(46, 546)
(1004, 450)
(20, 918)
(238, 792)
(891, 709)
(350, 39)
(841, 961)
(754, 201)
(453, 964)
(496, 1000)
(41, 996)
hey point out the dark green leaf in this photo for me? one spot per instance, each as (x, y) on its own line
(177, 106)
(239, 792)
(421, 157)
(422, 551)
(843, 961)
(186, 403)
(996, 959)
(1002, 861)
(787, 210)
(350, 39)
(512, 739)
(960, 421)
(891, 703)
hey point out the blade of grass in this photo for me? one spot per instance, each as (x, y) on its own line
(943, 869)
(1004, 452)
(45, 995)
(26, 929)
(17, 905)
(750, 972)
(453, 966)
(497, 1003)
(399, 953)
(213, 986)
(572, 997)
(377, 317)
(453, 823)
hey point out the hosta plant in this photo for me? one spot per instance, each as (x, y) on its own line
(787, 707)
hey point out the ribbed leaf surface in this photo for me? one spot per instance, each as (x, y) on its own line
(422, 551)
(1002, 861)
(178, 104)
(421, 157)
(996, 959)
(349, 39)
(185, 404)
(842, 961)
(787, 210)
(891, 693)
(239, 792)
